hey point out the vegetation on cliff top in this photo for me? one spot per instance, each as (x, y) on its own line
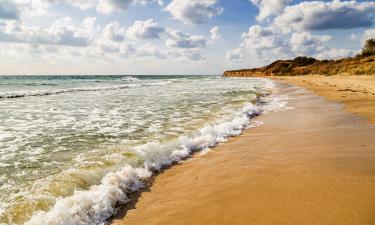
(362, 64)
(369, 48)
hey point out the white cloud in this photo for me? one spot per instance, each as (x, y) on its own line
(107, 46)
(260, 45)
(286, 35)
(150, 50)
(193, 55)
(269, 8)
(235, 55)
(83, 4)
(178, 39)
(319, 15)
(148, 29)
(259, 37)
(114, 31)
(146, 2)
(61, 32)
(32, 8)
(194, 11)
(333, 53)
(110, 6)
(305, 43)
(215, 34)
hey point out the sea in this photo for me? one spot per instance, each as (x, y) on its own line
(74, 148)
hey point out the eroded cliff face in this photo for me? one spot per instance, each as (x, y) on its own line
(309, 66)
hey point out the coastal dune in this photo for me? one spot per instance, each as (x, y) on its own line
(310, 164)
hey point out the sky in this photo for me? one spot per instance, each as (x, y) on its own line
(132, 37)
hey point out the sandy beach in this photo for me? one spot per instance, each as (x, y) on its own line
(312, 164)
(356, 92)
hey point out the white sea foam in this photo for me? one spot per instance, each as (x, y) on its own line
(20, 94)
(97, 204)
(130, 79)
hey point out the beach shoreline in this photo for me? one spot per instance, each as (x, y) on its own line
(356, 92)
(307, 165)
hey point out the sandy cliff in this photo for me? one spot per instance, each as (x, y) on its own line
(309, 66)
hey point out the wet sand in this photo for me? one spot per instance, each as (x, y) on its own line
(313, 164)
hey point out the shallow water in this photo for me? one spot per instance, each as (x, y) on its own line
(72, 147)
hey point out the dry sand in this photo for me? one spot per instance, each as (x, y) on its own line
(314, 164)
(356, 92)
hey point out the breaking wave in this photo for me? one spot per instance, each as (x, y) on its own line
(21, 94)
(130, 79)
(96, 205)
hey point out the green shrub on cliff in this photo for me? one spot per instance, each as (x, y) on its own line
(369, 47)
(303, 61)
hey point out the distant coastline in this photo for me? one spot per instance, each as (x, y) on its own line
(360, 65)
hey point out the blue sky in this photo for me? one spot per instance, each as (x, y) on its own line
(174, 36)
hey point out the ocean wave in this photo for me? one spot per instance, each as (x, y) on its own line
(130, 79)
(21, 94)
(97, 204)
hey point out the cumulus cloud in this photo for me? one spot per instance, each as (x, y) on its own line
(61, 32)
(305, 43)
(82, 4)
(269, 8)
(260, 45)
(150, 50)
(114, 31)
(193, 54)
(259, 37)
(290, 30)
(319, 15)
(40, 7)
(148, 29)
(235, 55)
(110, 6)
(8, 10)
(215, 34)
(31, 8)
(333, 53)
(178, 39)
(194, 11)
(146, 2)
(308, 44)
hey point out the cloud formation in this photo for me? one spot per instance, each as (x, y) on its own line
(215, 34)
(148, 29)
(61, 32)
(268, 8)
(287, 31)
(178, 39)
(305, 43)
(319, 15)
(369, 33)
(194, 11)
(114, 31)
(110, 6)
(182, 31)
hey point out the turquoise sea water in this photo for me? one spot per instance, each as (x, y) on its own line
(73, 147)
